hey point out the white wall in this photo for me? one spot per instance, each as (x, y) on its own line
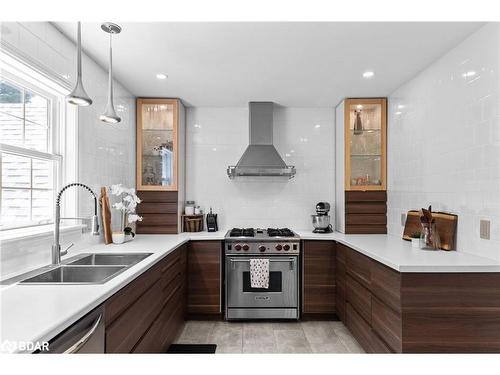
(217, 137)
(106, 152)
(444, 141)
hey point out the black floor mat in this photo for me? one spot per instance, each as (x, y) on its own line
(192, 349)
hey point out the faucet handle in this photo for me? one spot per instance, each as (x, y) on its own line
(65, 251)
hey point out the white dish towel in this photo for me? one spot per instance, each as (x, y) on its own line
(259, 273)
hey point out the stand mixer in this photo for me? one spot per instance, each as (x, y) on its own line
(321, 221)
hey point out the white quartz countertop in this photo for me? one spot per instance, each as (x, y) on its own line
(398, 254)
(36, 313)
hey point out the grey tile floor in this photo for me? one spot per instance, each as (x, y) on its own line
(282, 337)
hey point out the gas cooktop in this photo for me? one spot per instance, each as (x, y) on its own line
(261, 234)
(275, 241)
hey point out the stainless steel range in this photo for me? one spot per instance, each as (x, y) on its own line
(281, 299)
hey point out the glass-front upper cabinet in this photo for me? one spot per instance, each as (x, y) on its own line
(365, 144)
(157, 154)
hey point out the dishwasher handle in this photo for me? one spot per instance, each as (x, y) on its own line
(80, 343)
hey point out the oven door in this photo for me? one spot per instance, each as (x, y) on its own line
(283, 283)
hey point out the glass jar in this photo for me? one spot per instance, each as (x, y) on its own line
(189, 208)
(429, 237)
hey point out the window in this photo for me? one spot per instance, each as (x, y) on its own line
(31, 156)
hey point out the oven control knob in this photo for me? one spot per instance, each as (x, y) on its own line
(262, 248)
(278, 247)
(246, 247)
(238, 247)
(286, 247)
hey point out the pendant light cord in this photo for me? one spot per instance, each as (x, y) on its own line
(110, 78)
(79, 51)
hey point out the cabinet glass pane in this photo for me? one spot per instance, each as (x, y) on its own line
(157, 144)
(365, 134)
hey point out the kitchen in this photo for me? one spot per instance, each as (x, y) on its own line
(238, 194)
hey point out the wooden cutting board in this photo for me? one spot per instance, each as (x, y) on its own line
(446, 225)
(105, 215)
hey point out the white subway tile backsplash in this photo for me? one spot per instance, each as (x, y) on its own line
(443, 141)
(217, 137)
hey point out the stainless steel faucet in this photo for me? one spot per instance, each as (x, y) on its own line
(56, 247)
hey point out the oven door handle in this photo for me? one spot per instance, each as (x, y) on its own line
(291, 261)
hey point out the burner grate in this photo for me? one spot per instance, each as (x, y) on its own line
(279, 232)
(242, 232)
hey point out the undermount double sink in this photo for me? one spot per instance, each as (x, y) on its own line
(92, 268)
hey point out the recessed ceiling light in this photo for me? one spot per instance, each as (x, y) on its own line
(161, 76)
(398, 113)
(469, 74)
(368, 74)
(317, 126)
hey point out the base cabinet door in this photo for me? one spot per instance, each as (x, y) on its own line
(319, 278)
(204, 281)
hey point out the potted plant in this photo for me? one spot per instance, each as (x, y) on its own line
(127, 205)
(415, 239)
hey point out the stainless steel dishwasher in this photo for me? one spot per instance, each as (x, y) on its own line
(84, 336)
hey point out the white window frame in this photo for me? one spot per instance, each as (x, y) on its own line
(63, 130)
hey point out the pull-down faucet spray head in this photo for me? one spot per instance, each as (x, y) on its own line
(56, 247)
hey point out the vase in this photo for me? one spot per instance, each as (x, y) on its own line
(118, 237)
(429, 238)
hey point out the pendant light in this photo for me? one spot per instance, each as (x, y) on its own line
(109, 114)
(78, 96)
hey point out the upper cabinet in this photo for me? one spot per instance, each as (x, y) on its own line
(365, 126)
(157, 144)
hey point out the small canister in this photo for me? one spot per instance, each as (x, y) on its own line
(189, 208)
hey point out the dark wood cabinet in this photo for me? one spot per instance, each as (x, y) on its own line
(204, 279)
(417, 312)
(340, 281)
(372, 300)
(318, 297)
(146, 315)
(359, 297)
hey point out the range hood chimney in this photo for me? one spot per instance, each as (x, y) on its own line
(261, 158)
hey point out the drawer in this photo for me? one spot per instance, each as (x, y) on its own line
(158, 220)
(124, 333)
(359, 328)
(121, 300)
(366, 219)
(341, 252)
(359, 267)
(386, 285)
(363, 333)
(165, 328)
(387, 324)
(157, 208)
(359, 298)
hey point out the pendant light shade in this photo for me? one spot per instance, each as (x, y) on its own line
(78, 96)
(109, 114)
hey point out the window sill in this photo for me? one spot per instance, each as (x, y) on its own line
(36, 232)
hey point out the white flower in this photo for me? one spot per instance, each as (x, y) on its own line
(117, 189)
(119, 206)
(132, 218)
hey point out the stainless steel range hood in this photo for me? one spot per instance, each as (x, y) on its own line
(261, 158)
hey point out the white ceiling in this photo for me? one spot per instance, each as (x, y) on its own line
(292, 64)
